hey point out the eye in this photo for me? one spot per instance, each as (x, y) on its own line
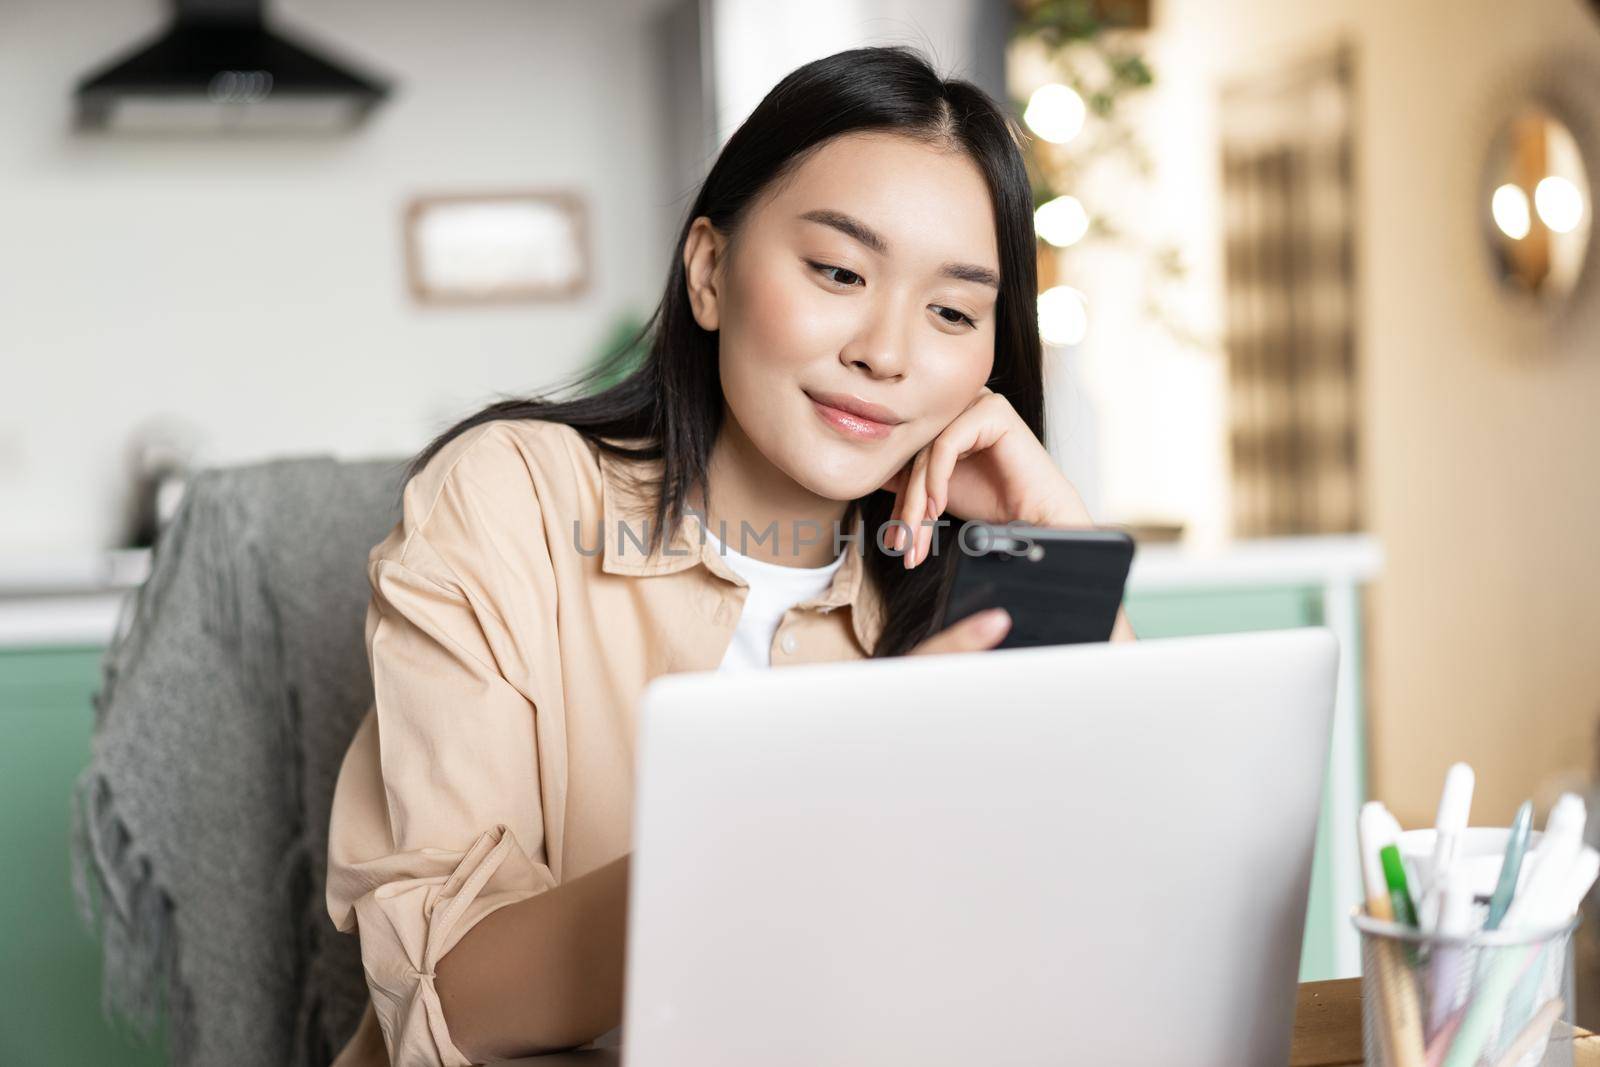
(823, 269)
(960, 317)
(851, 277)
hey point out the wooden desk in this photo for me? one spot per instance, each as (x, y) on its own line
(1327, 1028)
(1327, 1033)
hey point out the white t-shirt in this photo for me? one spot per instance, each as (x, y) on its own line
(774, 589)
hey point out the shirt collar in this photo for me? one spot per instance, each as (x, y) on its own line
(627, 495)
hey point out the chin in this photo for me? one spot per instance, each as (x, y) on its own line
(840, 472)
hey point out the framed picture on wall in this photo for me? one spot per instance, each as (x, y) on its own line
(496, 248)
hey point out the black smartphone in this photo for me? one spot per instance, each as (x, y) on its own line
(1061, 586)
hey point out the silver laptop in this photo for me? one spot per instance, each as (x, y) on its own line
(1090, 854)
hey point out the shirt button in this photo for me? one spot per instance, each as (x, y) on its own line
(789, 643)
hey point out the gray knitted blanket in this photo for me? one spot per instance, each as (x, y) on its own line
(228, 697)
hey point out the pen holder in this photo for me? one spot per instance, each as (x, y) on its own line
(1489, 999)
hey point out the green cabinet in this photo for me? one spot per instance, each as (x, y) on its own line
(1192, 611)
(50, 984)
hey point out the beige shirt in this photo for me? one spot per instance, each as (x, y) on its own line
(508, 651)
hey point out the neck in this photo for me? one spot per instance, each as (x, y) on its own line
(745, 487)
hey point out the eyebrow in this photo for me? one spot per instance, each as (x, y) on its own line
(860, 231)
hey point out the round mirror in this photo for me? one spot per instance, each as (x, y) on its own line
(1537, 205)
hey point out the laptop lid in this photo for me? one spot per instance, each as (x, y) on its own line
(1077, 854)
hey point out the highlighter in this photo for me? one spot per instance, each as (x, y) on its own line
(1445, 968)
(1394, 873)
(1402, 1036)
(1374, 832)
(1511, 866)
(1455, 804)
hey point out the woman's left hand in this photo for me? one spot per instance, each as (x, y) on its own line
(988, 466)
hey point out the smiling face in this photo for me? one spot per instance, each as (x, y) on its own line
(866, 278)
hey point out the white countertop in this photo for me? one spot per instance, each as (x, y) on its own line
(73, 599)
(34, 573)
(66, 600)
(1274, 561)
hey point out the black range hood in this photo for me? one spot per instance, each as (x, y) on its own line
(219, 67)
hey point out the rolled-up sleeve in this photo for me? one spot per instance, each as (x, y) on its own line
(436, 819)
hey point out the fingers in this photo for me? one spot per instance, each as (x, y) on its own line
(925, 528)
(974, 633)
(959, 442)
(922, 492)
(973, 431)
(913, 508)
(896, 483)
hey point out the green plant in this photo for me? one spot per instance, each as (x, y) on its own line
(620, 351)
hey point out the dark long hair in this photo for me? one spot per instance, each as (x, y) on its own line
(674, 397)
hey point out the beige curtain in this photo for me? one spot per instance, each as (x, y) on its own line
(1289, 218)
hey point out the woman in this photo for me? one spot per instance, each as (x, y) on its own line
(847, 345)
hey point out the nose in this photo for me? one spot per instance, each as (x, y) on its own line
(881, 347)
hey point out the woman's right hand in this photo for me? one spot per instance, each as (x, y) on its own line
(978, 631)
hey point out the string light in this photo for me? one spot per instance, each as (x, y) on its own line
(1061, 221)
(1063, 315)
(1055, 112)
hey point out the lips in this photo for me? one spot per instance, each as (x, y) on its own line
(861, 409)
(850, 423)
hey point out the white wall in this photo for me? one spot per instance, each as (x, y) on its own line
(255, 288)
(756, 42)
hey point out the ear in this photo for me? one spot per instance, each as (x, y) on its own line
(703, 256)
